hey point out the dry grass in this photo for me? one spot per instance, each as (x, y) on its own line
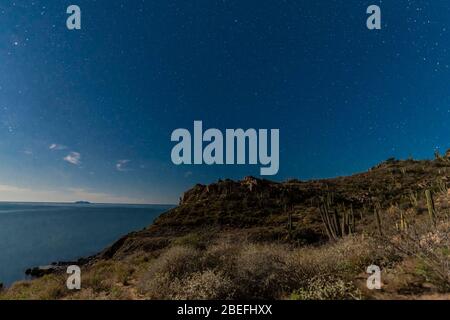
(49, 287)
(257, 271)
(230, 270)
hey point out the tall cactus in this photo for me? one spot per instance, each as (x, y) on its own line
(441, 186)
(413, 198)
(403, 222)
(344, 221)
(352, 225)
(336, 225)
(289, 224)
(347, 222)
(430, 206)
(329, 220)
(377, 210)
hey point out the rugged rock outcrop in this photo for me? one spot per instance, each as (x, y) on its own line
(262, 208)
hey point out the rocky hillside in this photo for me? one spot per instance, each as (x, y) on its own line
(258, 239)
(263, 209)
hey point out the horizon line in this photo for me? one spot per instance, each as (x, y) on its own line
(89, 202)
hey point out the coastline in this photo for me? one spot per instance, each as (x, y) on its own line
(67, 233)
(231, 236)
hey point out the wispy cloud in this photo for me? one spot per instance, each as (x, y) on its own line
(73, 158)
(121, 165)
(8, 188)
(55, 146)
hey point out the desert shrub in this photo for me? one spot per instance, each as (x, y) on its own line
(208, 284)
(172, 266)
(84, 294)
(119, 293)
(262, 272)
(49, 287)
(429, 245)
(327, 288)
(176, 261)
(354, 254)
(228, 270)
(345, 258)
(99, 277)
(199, 240)
(271, 271)
(96, 281)
(222, 255)
(123, 273)
(54, 289)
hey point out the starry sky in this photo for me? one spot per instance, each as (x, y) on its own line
(88, 114)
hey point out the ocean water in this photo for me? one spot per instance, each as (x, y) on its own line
(36, 234)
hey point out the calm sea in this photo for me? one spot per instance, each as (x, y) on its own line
(36, 234)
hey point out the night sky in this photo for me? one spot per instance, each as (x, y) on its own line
(88, 114)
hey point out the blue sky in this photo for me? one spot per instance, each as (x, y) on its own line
(87, 115)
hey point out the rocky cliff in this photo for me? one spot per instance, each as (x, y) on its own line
(268, 211)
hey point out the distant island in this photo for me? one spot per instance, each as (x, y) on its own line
(82, 202)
